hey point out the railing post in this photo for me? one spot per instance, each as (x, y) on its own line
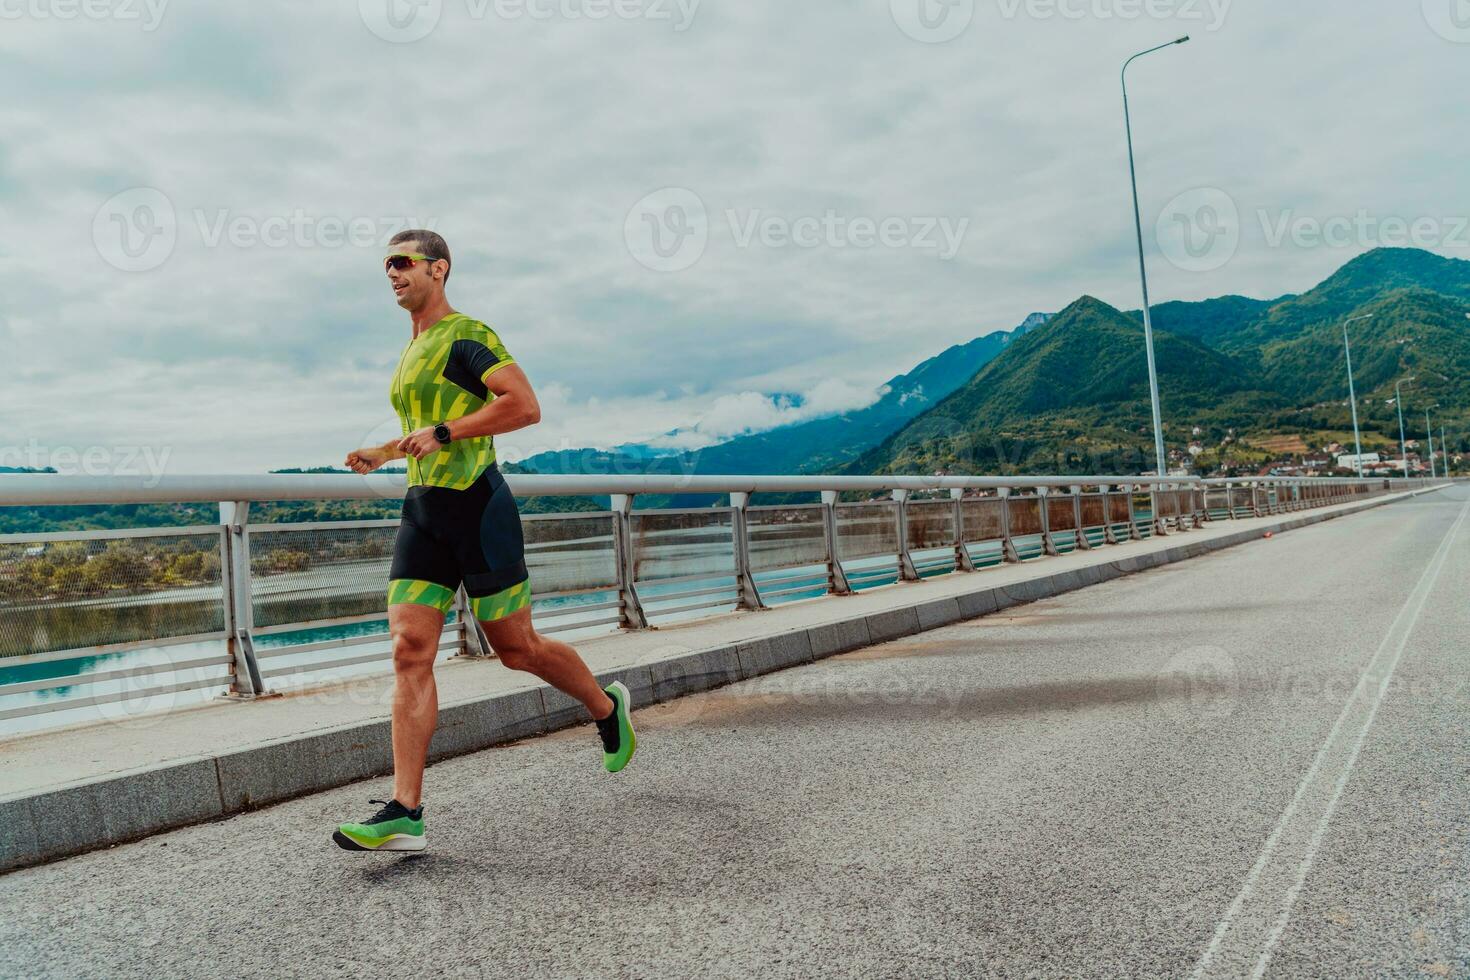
(962, 561)
(1109, 535)
(1133, 533)
(473, 643)
(1158, 518)
(906, 570)
(1048, 546)
(234, 517)
(836, 577)
(1256, 500)
(630, 609)
(750, 596)
(1082, 543)
(1008, 552)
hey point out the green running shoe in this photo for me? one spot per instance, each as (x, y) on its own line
(393, 828)
(618, 741)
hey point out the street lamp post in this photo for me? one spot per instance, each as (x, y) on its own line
(1428, 429)
(1148, 327)
(1398, 401)
(1444, 447)
(1352, 394)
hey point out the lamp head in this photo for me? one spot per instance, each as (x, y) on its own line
(1182, 39)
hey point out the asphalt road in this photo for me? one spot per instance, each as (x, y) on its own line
(1252, 763)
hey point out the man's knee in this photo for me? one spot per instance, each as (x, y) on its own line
(521, 655)
(413, 650)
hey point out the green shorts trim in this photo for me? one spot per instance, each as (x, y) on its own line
(420, 593)
(503, 603)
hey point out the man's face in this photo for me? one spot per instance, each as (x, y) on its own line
(415, 285)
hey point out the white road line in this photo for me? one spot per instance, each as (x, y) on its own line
(1252, 926)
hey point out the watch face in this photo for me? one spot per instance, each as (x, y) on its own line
(441, 432)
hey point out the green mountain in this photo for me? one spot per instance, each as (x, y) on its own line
(1072, 397)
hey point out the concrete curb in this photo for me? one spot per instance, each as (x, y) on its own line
(96, 813)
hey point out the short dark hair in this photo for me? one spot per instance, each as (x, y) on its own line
(430, 243)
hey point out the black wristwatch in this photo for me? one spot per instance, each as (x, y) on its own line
(441, 432)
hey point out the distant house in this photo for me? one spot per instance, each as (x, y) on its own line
(1349, 461)
(35, 551)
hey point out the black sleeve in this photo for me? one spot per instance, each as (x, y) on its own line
(467, 364)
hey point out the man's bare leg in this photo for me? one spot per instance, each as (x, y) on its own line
(416, 630)
(520, 647)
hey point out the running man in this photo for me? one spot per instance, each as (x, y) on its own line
(455, 388)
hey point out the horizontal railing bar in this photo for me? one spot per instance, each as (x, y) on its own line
(80, 653)
(778, 593)
(62, 704)
(649, 602)
(559, 627)
(43, 537)
(692, 577)
(54, 489)
(80, 680)
(381, 523)
(687, 608)
(313, 624)
(366, 658)
(820, 573)
(768, 508)
(581, 607)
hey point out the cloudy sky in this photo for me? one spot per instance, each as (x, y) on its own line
(688, 216)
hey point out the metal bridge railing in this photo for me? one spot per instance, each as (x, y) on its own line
(138, 617)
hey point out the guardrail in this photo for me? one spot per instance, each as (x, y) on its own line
(248, 607)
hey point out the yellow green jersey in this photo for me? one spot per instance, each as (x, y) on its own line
(441, 376)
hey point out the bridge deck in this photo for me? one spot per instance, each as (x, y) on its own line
(1162, 772)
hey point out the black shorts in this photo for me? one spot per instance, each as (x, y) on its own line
(470, 536)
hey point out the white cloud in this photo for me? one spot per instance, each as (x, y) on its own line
(529, 141)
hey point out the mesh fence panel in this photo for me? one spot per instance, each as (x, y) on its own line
(866, 530)
(931, 524)
(62, 595)
(1118, 508)
(1025, 515)
(673, 545)
(1060, 514)
(566, 554)
(785, 537)
(981, 517)
(299, 576)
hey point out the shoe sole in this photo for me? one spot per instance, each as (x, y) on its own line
(627, 704)
(398, 842)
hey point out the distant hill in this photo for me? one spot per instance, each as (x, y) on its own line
(1073, 396)
(1068, 398)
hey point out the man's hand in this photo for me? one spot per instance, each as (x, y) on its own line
(420, 443)
(364, 461)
